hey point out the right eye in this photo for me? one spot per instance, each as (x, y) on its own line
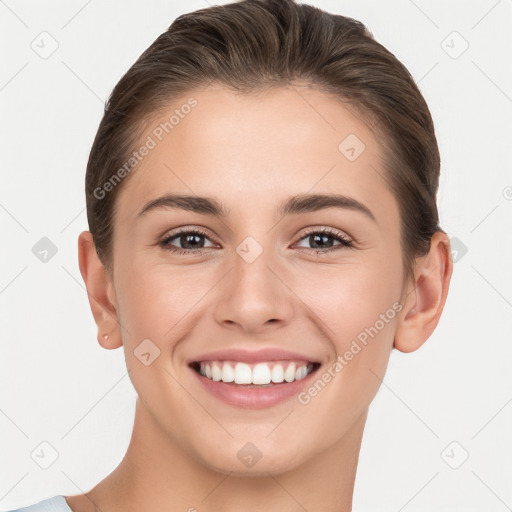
(186, 237)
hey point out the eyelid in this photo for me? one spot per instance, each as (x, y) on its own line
(164, 241)
(185, 229)
(344, 240)
(327, 230)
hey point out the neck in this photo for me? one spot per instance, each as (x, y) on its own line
(156, 474)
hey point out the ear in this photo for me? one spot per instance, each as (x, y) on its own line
(425, 295)
(100, 292)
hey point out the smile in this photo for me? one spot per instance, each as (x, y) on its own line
(259, 374)
(253, 379)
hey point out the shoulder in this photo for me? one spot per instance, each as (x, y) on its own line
(55, 504)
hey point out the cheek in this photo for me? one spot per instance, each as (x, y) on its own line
(349, 299)
(360, 306)
(156, 301)
(158, 304)
(357, 307)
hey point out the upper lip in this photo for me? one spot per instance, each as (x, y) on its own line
(252, 356)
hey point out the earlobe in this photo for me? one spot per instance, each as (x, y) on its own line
(100, 292)
(425, 297)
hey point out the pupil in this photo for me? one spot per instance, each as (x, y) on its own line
(187, 239)
(322, 239)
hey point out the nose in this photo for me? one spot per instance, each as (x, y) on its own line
(254, 297)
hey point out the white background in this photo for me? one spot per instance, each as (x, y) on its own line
(57, 385)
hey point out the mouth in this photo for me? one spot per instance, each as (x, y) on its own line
(253, 379)
(255, 375)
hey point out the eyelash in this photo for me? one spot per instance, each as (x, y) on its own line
(344, 242)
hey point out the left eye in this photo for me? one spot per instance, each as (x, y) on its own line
(321, 237)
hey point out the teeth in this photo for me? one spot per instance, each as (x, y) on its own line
(301, 373)
(261, 374)
(277, 373)
(228, 375)
(258, 374)
(243, 374)
(216, 372)
(290, 373)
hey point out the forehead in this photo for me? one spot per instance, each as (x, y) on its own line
(253, 150)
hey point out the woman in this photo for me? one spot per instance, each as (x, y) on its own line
(261, 198)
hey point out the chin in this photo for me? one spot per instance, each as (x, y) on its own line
(244, 459)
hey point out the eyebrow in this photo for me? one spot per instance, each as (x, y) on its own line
(294, 205)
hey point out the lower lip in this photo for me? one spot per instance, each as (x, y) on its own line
(254, 397)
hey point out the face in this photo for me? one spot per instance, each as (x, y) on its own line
(271, 280)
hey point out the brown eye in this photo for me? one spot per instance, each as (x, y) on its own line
(189, 241)
(323, 240)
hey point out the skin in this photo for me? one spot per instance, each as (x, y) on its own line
(250, 152)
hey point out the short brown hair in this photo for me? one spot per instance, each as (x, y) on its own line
(251, 45)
